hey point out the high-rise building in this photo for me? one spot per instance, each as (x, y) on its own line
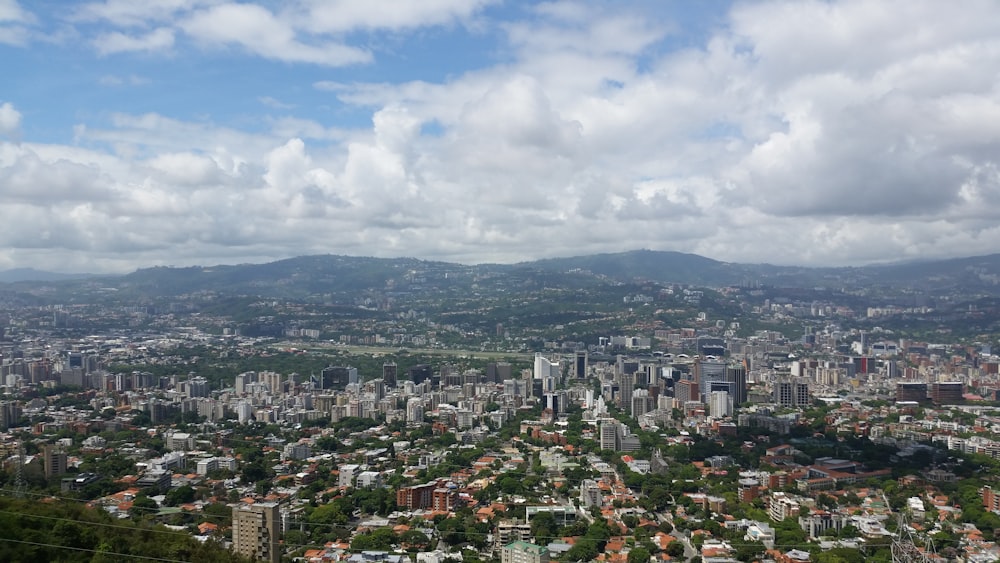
(626, 387)
(580, 364)
(390, 371)
(686, 391)
(257, 532)
(947, 392)
(907, 391)
(498, 372)
(55, 461)
(791, 392)
(608, 429)
(337, 377)
(420, 373)
(719, 404)
(544, 368)
(641, 402)
(737, 376)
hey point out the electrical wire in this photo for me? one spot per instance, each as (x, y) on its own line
(142, 557)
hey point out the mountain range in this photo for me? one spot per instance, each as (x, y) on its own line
(306, 275)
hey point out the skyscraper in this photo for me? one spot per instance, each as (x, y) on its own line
(337, 377)
(389, 374)
(737, 375)
(580, 364)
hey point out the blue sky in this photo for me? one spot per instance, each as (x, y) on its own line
(177, 132)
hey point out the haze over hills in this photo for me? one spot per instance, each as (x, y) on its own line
(31, 274)
(318, 274)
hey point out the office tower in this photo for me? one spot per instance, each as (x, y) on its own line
(911, 391)
(737, 376)
(544, 368)
(580, 364)
(712, 375)
(719, 405)
(708, 369)
(641, 402)
(947, 392)
(420, 373)
(686, 391)
(626, 388)
(337, 377)
(257, 532)
(389, 374)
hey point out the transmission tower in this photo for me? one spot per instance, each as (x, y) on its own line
(904, 549)
(19, 484)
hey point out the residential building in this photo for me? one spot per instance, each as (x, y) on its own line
(257, 532)
(524, 552)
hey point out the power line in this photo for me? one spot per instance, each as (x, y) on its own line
(143, 557)
(90, 523)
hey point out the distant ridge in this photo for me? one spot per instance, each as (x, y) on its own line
(17, 275)
(663, 266)
(333, 274)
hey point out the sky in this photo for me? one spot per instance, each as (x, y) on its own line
(202, 132)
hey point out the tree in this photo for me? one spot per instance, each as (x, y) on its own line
(378, 539)
(181, 495)
(543, 525)
(142, 505)
(638, 555)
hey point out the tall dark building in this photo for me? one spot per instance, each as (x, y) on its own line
(420, 373)
(389, 372)
(947, 392)
(498, 372)
(737, 376)
(337, 377)
(911, 391)
(580, 364)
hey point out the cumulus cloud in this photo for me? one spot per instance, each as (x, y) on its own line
(797, 132)
(259, 31)
(133, 14)
(340, 16)
(117, 42)
(10, 120)
(11, 11)
(130, 80)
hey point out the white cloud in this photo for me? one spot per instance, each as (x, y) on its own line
(274, 103)
(806, 132)
(159, 39)
(10, 120)
(128, 13)
(130, 80)
(257, 30)
(340, 16)
(11, 11)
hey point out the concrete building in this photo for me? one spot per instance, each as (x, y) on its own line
(55, 461)
(257, 532)
(524, 552)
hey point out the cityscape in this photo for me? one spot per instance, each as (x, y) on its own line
(499, 281)
(427, 418)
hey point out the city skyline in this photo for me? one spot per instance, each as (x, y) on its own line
(202, 132)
